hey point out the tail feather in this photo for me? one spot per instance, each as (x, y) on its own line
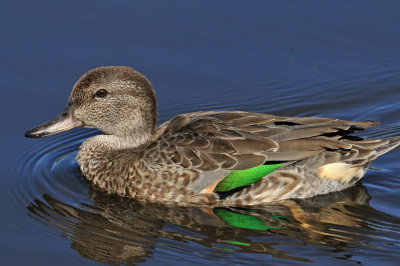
(366, 124)
(300, 181)
(392, 142)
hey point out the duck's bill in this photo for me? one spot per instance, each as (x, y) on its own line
(65, 121)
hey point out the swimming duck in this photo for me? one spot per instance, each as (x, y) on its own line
(230, 158)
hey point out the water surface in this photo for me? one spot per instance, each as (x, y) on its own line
(293, 58)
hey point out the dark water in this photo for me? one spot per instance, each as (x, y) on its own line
(322, 58)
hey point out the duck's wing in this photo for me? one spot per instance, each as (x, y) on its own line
(208, 142)
(211, 144)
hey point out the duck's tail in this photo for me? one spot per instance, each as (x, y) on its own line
(392, 142)
(300, 180)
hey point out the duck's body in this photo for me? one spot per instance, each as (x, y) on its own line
(183, 160)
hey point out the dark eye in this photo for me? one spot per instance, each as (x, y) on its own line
(101, 93)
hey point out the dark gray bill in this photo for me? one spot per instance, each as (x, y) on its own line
(65, 121)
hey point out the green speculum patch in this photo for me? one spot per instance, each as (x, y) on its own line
(241, 178)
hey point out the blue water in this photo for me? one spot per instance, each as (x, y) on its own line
(293, 58)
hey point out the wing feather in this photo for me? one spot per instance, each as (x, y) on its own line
(223, 141)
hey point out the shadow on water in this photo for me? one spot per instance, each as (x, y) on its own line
(118, 230)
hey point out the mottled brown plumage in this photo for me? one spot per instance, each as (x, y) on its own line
(182, 160)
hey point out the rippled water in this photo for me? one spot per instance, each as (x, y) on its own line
(316, 58)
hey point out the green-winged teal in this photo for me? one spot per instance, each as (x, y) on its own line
(216, 157)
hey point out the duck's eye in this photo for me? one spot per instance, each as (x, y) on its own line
(101, 93)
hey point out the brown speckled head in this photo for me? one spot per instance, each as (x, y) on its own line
(116, 100)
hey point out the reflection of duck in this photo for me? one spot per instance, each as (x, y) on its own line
(117, 230)
(187, 159)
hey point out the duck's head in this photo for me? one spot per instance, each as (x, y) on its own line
(116, 100)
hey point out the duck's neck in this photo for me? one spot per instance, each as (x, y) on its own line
(105, 161)
(113, 142)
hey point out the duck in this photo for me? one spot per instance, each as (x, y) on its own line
(213, 158)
